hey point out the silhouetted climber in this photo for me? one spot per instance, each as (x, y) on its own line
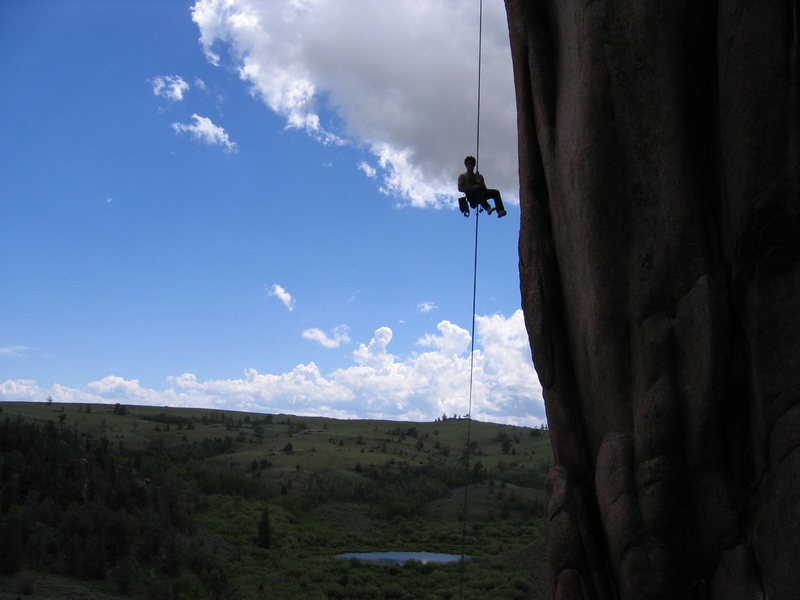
(471, 183)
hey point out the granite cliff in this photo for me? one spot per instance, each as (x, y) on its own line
(660, 276)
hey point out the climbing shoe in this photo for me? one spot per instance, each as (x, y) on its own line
(501, 213)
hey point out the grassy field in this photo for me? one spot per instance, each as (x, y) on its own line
(326, 487)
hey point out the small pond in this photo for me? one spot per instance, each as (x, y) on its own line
(400, 558)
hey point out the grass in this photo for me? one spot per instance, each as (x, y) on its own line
(333, 486)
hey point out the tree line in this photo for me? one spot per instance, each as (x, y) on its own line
(78, 506)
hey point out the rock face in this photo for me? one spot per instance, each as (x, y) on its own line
(660, 277)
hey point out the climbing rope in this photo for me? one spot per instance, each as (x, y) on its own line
(478, 120)
(468, 448)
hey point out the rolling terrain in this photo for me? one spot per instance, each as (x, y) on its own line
(104, 501)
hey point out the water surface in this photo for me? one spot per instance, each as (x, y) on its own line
(400, 558)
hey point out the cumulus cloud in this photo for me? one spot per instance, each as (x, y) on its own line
(277, 291)
(171, 87)
(378, 385)
(451, 340)
(339, 336)
(404, 88)
(375, 354)
(20, 390)
(203, 129)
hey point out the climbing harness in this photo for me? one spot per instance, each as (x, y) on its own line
(472, 343)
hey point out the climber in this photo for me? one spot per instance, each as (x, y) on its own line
(472, 185)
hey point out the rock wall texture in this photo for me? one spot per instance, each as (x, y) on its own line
(660, 276)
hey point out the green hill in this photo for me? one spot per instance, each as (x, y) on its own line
(101, 501)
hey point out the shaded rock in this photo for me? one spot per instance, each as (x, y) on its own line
(660, 272)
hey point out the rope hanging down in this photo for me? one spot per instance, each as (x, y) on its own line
(478, 119)
(472, 337)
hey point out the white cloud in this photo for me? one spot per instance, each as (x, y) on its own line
(277, 291)
(339, 336)
(15, 351)
(379, 385)
(171, 87)
(451, 340)
(404, 87)
(375, 353)
(206, 131)
(426, 307)
(19, 389)
(368, 170)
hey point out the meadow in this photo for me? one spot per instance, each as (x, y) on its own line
(104, 501)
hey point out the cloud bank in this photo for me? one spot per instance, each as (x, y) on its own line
(378, 385)
(404, 88)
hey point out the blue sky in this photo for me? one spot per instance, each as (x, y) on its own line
(251, 205)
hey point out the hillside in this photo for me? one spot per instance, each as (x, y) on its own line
(102, 501)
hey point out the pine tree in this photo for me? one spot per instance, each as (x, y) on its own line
(264, 529)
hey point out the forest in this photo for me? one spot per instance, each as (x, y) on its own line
(112, 501)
